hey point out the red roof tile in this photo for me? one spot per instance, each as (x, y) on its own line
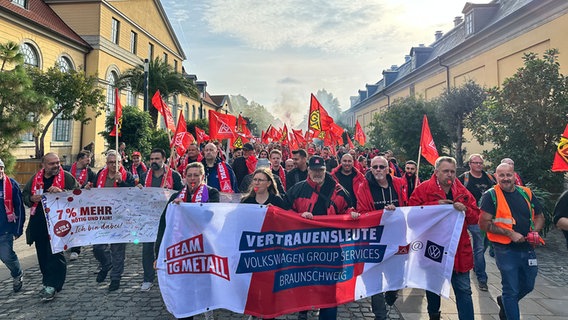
(41, 14)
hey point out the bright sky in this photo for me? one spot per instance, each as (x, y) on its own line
(277, 52)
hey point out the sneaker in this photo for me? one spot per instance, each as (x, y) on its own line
(101, 276)
(146, 286)
(73, 256)
(18, 282)
(47, 294)
(483, 286)
(209, 315)
(502, 315)
(114, 285)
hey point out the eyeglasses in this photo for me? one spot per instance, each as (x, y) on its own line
(476, 162)
(259, 180)
(379, 166)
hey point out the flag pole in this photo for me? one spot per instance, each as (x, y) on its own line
(417, 166)
(116, 102)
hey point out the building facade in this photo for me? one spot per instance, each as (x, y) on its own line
(103, 38)
(486, 45)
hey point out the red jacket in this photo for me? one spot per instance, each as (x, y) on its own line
(365, 202)
(429, 193)
(303, 197)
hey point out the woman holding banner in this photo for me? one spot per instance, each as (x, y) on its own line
(195, 191)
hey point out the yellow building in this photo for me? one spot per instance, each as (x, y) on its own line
(103, 38)
(486, 45)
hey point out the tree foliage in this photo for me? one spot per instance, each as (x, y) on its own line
(525, 118)
(73, 94)
(136, 131)
(455, 107)
(256, 114)
(18, 99)
(161, 76)
(400, 126)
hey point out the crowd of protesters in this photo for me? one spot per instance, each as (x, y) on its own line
(348, 181)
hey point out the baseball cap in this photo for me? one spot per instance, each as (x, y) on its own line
(136, 153)
(316, 162)
(248, 146)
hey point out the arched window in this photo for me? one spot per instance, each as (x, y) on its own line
(111, 82)
(131, 98)
(64, 64)
(186, 114)
(31, 57)
(193, 113)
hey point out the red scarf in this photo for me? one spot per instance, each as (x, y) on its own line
(82, 178)
(224, 178)
(201, 194)
(104, 173)
(8, 199)
(37, 184)
(144, 168)
(251, 163)
(167, 179)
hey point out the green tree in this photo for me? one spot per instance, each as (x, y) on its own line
(256, 114)
(525, 118)
(161, 76)
(455, 107)
(18, 100)
(400, 126)
(73, 94)
(203, 124)
(136, 131)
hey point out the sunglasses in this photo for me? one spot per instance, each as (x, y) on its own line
(379, 166)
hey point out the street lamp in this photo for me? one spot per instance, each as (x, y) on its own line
(146, 69)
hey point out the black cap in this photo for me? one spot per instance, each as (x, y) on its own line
(316, 162)
(248, 146)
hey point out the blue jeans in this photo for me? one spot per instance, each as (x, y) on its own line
(462, 290)
(379, 303)
(8, 256)
(478, 252)
(517, 277)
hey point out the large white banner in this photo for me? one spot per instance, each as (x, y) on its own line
(267, 262)
(103, 215)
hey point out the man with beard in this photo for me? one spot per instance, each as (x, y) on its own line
(380, 191)
(330, 161)
(348, 177)
(410, 177)
(113, 175)
(51, 178)
(218, 174)
(512, 217)
(444, 188)
(319, 194)
(160, 175)
(300, 172)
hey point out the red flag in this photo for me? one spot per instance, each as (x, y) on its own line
(181, 139)
(117, 115)
(427, 145)
(242, 127)
(337, 130)
(263, 137)
(351, 145)
(201, 135)
(360, 134)
(221, 126)
(284, 138)
(299, 136)
(561, 156)
(318, 118)
(164, 110)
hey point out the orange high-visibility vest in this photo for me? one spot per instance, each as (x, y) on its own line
(503, 216)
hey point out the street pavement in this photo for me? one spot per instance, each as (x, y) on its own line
(83, 298)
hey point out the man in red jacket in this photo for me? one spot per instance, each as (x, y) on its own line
(348, 177)
(381, 191)
(444, 188)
